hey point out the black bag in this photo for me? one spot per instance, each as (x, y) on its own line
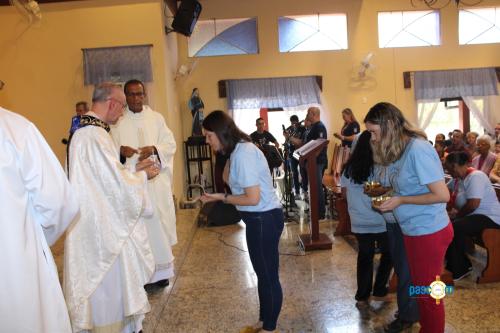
(218, 213)
(273, 156)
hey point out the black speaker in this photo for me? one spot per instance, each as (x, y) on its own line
(186, 17)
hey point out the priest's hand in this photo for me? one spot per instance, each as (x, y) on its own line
(152, 171)
(148, 165)
(128, 151)
(145, 152)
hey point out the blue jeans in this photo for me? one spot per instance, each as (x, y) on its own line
(263, 232)
(407, 306)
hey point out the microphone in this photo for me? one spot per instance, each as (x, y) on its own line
(64, 141)
(283, 126)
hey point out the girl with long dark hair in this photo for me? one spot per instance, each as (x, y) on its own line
(247, 174)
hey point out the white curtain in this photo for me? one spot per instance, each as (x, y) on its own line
(272, 92)
(117, 64)
(455, 83)
(425, 112)
(480, 108)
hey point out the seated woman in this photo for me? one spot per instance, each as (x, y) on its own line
(367, 225)
(473, 207)
(495, 171)
(485, 160)
(440, 149)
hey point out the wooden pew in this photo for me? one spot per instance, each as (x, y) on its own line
(490, 240)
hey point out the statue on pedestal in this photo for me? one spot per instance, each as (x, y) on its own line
(196, 106)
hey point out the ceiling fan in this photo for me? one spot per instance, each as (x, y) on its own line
(365, 65)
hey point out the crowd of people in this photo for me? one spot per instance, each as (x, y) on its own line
(483, 150)
(115, 204)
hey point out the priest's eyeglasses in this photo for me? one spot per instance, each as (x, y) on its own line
(135, 94)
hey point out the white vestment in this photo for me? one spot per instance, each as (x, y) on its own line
(107, 255)
(37, 205)
(148, 128)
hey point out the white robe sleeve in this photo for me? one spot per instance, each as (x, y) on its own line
(53, 202)
(166, 145)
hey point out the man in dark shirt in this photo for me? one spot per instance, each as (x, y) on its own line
(317, 131)
(297, 131)
(262, 137)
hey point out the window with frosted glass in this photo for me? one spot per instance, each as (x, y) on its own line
(312, 32)
(224, 37)
(479, 26)
(407, 29)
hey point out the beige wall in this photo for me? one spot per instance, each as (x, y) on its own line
(41, 64)
(336, 67)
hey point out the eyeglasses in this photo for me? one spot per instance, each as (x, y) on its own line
(119, 102)
(135, 94)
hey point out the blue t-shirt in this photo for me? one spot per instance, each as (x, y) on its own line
(410, 176)
(476, 185)
(364, 219)
(249, 168)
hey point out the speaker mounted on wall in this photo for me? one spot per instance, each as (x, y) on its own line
(186, 17)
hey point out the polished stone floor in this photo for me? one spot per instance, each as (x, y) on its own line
(215, 287)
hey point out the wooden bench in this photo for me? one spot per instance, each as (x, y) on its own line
(490, 240)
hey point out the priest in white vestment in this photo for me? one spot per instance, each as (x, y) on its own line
(107, 255)
(140, 134)
(37, 205)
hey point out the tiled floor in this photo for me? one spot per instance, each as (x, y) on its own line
(215, 287)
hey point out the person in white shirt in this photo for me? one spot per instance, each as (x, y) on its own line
(141, 134)
(37, 206)
(473, 207)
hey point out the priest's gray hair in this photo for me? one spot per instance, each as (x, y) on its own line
(103, 90)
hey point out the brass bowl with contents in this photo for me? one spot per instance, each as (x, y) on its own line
(377, 201)
(375, 189)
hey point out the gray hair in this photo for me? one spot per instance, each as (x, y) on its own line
(487, 138)
(103, 90)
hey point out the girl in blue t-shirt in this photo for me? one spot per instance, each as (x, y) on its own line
(418, 203)
(247, 174)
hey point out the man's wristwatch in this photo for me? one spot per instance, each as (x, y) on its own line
(225, 198)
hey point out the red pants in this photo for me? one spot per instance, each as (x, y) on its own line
(425, 258)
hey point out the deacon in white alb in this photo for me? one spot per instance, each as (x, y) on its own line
(36, 207)
(142, 133)
(107, 254)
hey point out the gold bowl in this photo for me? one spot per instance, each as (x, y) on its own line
(375, 189)
(379, 200)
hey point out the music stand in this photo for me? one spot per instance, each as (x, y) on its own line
(307, 155)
